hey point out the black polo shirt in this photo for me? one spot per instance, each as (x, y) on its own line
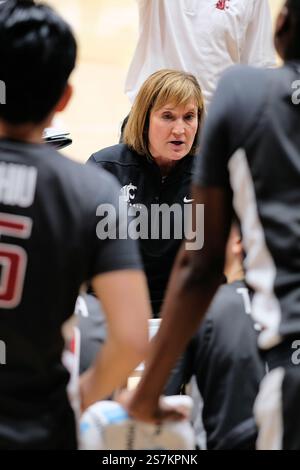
(142, 183)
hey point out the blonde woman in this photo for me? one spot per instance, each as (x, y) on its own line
(154, 168)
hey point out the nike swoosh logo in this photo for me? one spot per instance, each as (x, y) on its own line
(187, 200)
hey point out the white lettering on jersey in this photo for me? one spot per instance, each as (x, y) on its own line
(2, 92)
(81, 307)
(13, 259)
(2, 353)
(244, 292)
(17, 184)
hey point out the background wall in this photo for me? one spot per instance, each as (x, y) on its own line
(106, 31)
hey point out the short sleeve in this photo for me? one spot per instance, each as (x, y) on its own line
(234, 112)
(111, 247)
(215, 145)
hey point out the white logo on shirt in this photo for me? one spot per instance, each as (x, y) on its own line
(127, 192)
(185, 199)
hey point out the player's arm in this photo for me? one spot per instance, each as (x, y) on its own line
(124, 298)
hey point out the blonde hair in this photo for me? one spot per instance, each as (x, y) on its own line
(162, 87)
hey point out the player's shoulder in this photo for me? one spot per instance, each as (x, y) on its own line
(230, 298)
(242, 80)
(84, 183)
(240, 71)
(240, 98)
(74, 170)
(119, 154)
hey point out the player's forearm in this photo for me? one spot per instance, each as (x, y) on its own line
(124, 299)
(109, 372)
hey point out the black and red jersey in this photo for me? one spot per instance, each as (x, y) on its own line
(48, 248)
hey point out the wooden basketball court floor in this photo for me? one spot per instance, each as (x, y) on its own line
(106, 31)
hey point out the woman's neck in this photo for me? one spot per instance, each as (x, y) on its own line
(165, 165)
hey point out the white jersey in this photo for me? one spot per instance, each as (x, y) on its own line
(203, 37)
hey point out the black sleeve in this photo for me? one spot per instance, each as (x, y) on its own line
(232, 114)
(109, 160)
(112, 249)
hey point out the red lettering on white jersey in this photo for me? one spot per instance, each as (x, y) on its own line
(222, 4)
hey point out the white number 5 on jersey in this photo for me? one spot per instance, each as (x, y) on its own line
(13, 259)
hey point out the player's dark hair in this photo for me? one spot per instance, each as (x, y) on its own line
(293, 51)
(37, 55)
(295, 6)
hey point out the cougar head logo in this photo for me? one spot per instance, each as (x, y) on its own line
(127, 192)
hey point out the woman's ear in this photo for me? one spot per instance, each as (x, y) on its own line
(64, 99)
(282, 28)
(283, 21)
(237, 247)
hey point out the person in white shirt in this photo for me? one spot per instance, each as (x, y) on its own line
(202, 37)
